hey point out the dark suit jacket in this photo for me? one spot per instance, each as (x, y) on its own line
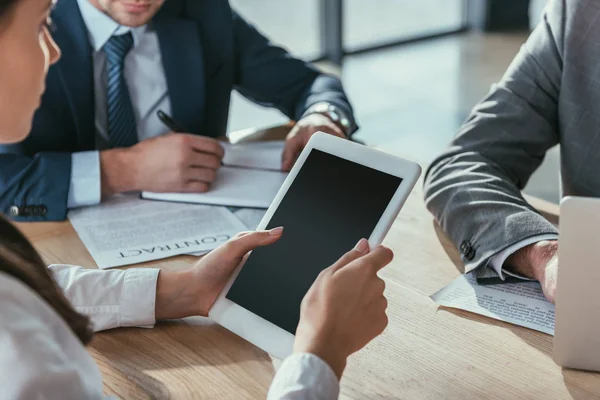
(207, 50)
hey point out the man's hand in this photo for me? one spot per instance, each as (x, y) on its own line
(538, 261)
(302, 132)
(192, 292)
(174, 162)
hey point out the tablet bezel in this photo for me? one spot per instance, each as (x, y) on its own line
(261, 332)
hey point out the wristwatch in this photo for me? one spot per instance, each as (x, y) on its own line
(335, 114)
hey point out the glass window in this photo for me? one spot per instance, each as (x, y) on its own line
(369, 23)
(294, 24)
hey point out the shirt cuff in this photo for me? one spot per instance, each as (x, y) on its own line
(138, 297)
(497, 262)
(304, 376)
(84, 189)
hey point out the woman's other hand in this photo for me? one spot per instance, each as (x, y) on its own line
(345, 308)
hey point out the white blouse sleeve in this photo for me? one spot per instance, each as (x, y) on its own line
(40, 358)
(304, 377)
(112, 298)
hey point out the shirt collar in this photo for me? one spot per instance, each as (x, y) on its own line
(101, 27)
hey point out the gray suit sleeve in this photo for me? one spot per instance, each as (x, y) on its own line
(474, 188)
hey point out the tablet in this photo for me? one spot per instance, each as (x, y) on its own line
(337, 193)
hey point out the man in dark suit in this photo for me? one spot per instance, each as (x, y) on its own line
(97, 132)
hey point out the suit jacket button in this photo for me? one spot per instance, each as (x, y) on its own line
(467, 250)
(14, 211)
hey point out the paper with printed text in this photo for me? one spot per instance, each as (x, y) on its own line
(520, 303)
(127, 230)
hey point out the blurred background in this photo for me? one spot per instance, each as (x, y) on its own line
(413, 69)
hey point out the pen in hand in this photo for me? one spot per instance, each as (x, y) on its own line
(168, 121)
(171, 124)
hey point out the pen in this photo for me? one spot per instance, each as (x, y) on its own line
(168, 121)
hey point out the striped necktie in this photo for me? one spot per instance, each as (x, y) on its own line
(121, 125)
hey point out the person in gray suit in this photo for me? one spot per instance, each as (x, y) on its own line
(549, 95)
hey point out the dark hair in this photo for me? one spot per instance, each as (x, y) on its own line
(19, 259)
(6, 7)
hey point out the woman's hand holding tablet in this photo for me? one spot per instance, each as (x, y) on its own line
(182, 293)
(337, 193)
(343, 310)
(345, 307)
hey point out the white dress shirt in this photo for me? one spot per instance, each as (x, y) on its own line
(147, 83)
(41, 358)
(497, 262)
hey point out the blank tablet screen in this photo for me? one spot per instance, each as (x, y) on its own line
(329, 207)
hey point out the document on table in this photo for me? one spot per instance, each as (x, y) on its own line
(520, 303)
(250, 217)
(127, 230)
(258, 155)
(235, 187)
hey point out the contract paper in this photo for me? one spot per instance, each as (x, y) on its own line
(520, 303)
(250, 217)
(258, 155)
(127, 230)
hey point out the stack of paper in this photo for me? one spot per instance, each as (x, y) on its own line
(521, 303)
(127, 230)
(250, 217)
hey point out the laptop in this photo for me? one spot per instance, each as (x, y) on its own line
(577, 330)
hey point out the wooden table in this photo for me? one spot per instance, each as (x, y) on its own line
(425, 353)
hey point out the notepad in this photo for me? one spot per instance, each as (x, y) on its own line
(258, 155)
(235, 187)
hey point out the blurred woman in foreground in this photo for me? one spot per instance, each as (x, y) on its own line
(48, 315)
